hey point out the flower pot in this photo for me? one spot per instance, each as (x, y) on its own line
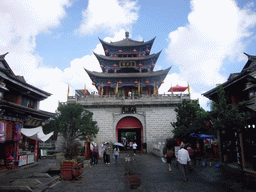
(67, 174)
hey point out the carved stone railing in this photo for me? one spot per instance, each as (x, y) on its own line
(132, 100)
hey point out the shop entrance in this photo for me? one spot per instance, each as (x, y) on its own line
(129, 129)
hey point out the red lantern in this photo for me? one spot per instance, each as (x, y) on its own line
(153, 65)
(106, 51)
(147, 50)
(109, 83)
(147, 82)
(115, 65)
(120, 51)
(136, 82)
(162, 81)
(208, 124)
(101, 66)
(140, 65)
(134, 50)
(93, 83)
(120, 82)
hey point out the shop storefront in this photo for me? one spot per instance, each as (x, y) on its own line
(10, 135)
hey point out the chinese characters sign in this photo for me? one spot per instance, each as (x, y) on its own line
(128, 109)
(127, 64)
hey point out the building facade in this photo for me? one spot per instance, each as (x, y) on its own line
(19, 108)
(127, 101)
(240, 146)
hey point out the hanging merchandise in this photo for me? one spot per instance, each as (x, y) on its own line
(16, 132)
(8, 132)
(2, 132)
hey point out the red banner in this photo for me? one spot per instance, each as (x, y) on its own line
(36, 150)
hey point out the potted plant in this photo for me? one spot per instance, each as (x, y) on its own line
(67, 169)
(74, 123)
(77, 171)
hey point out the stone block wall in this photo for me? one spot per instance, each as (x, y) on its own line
(156, 122)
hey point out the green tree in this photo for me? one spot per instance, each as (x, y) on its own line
(73, 122)
(226, 116)
(190, 118)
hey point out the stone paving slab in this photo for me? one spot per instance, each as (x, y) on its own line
(15, 189)
(40, 175)
(32, 183)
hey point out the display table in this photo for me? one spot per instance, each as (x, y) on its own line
(25, 159)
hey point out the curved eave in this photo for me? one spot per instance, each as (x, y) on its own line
(107, 58)
(251, 59)
(127, 75)
(124, 43)
(22, 110)
(24, 85)
(209, 94)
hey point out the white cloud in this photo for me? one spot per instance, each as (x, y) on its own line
(215, 32)
(108, 16)
(20, 22)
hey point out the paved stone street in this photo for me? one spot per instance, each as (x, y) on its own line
(148, 173)
(142, 172)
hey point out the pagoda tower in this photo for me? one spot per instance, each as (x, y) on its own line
(127, 68)
(128, 106)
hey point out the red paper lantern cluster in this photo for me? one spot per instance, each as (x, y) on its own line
(120, 51)
(140, 65)
(120, 82)
(147, 50)
(109, 83)
(147, 82)
(101, 66)
(136, 82)
(115, 65)
(134, 50)
(93, 83)
(153, 64)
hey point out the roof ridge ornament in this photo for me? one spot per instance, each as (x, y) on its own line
(127, 34)
(4, 55)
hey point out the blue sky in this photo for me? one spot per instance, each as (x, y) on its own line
(50, 42)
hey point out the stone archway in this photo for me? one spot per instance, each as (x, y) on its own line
(130, 124)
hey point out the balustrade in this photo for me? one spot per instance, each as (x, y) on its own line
(141, 99)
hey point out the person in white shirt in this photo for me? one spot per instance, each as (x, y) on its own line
(134, 146)
(183, 159)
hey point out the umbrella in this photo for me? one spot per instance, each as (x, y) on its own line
(202, 136)
(119, 144)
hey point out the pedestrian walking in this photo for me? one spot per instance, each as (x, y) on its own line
(131, 145)
(134, 146)
(183, 159)
(91, 153)
(108, 154)
(198, 154)
(169, 156)
(95, 154)
(104, 146)
(191, 153)
(116, 154)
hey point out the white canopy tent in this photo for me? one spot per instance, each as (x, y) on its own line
(36, 134)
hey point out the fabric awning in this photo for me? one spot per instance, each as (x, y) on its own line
(36, 134)
(202, 136)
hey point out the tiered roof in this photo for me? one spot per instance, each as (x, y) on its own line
(129, 62)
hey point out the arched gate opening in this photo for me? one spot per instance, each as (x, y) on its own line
(131, 128)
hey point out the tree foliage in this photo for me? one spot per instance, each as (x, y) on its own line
(73, 122)
(190, 118)
(226, 116)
